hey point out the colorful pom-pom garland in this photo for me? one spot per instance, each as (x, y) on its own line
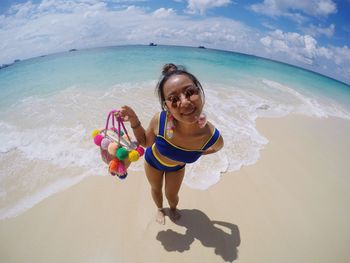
(118, 145)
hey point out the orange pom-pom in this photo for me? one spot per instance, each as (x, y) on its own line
(113, 166)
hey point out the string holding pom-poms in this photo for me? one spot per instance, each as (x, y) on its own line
(114, 129)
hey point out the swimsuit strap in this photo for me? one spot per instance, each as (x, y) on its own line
(162, 123)
(162, 128)
(212, 140)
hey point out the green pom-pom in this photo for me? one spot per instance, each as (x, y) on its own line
(122, 153)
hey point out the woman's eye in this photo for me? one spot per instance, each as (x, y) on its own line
(173, 99)
(191, 91)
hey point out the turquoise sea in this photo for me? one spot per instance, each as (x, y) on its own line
(49, 105)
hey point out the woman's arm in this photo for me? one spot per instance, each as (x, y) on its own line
(143, 137)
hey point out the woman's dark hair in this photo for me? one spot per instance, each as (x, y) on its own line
(168, 71)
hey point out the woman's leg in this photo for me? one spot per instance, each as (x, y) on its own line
(173, 181)
(155, 178)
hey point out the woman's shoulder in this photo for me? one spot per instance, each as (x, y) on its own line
(155, 121)
(156, 116)
(215, 137)
(211, 127)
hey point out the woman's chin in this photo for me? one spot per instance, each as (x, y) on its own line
(190, 118)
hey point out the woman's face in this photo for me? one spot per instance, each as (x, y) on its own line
(183, 98)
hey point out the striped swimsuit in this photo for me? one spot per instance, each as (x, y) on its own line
(173, 152)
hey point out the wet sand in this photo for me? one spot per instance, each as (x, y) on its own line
(291, 206)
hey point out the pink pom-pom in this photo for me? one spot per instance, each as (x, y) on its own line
(121, 168)
(104, 143)
(140, 150)
(98, 139)
(112, 148)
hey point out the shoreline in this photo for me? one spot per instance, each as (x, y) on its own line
(290, 206)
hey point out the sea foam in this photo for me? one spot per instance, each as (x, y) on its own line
(46, 146)
(234, 112)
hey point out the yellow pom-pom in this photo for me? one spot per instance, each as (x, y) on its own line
(133, 156)
(94, 133)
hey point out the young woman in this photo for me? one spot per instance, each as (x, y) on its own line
(179, 134)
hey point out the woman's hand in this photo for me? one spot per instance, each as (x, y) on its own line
(128, 114)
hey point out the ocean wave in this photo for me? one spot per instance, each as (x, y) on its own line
(320, 107)
(235, 110)
(55, 131)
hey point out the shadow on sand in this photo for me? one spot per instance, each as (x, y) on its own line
(222, 236)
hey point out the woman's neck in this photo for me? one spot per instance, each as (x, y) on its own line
(187, 128)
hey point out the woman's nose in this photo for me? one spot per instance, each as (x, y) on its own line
(183, 99)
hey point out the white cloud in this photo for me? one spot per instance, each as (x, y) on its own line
(200, 6)
(294, 9)
(54, 26)
(341, 55)
(325, 52)
(319, 30)
(303, 50)
(128, 1)
(269, 25)
(299, 48)
(30, 30)
(163, 12)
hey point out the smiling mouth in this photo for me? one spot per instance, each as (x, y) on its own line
(187, 113)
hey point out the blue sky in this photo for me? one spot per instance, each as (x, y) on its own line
(314, 34)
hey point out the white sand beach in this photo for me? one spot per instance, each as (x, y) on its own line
(291, 206)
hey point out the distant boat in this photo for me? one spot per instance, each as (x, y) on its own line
(201, 46)
(152, 44)
(16, 60)
(73, 49)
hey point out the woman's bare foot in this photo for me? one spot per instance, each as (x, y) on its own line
(160, 216)
(174, 214)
